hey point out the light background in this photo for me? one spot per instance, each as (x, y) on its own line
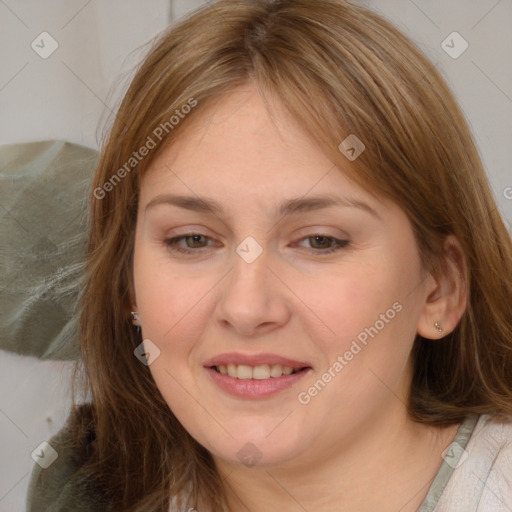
(71, 94)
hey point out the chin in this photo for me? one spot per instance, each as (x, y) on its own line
(262, 444)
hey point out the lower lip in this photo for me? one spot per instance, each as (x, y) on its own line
(254, 388)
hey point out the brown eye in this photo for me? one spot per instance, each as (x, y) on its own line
(192, 241)
(322, 244)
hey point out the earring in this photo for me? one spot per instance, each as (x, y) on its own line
(135, 320)
(437, 325)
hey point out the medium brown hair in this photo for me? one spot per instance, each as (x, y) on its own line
(339, 69)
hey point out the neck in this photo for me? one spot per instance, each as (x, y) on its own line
(387, 464)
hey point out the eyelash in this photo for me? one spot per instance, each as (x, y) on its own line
(171, 243)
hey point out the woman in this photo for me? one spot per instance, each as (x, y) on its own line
(299, 285)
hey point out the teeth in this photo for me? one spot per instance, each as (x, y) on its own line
(261, 372)
(276, 370)
(232, 370)
(244, 372)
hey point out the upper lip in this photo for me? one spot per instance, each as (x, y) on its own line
(254, 360)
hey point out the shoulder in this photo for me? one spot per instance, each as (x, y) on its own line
(492, 441)
(483, 475)
(62, 486)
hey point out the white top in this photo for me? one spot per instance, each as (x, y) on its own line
(476, 475)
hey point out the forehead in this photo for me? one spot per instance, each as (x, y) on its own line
(245, 145)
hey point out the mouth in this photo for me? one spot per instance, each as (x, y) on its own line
(257, 376)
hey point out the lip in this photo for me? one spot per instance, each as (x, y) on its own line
(254, 360)
(255, 388)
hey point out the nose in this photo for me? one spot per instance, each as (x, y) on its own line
(254, 300)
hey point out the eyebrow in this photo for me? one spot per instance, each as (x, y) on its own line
(288, 207)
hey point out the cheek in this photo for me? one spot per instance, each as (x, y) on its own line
(172, 312)
(167, 297)
(347, 302)
(368, 319)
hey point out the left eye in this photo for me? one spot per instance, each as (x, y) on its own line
(325, 244)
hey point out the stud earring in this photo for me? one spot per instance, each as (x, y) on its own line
(135, 320)
(437, 325)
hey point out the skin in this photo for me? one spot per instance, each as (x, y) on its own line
(352, 447)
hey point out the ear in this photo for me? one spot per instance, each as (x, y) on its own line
(446, 293)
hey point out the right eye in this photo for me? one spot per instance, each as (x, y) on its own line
(193, 242)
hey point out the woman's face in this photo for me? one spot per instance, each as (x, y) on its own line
(254, 256)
